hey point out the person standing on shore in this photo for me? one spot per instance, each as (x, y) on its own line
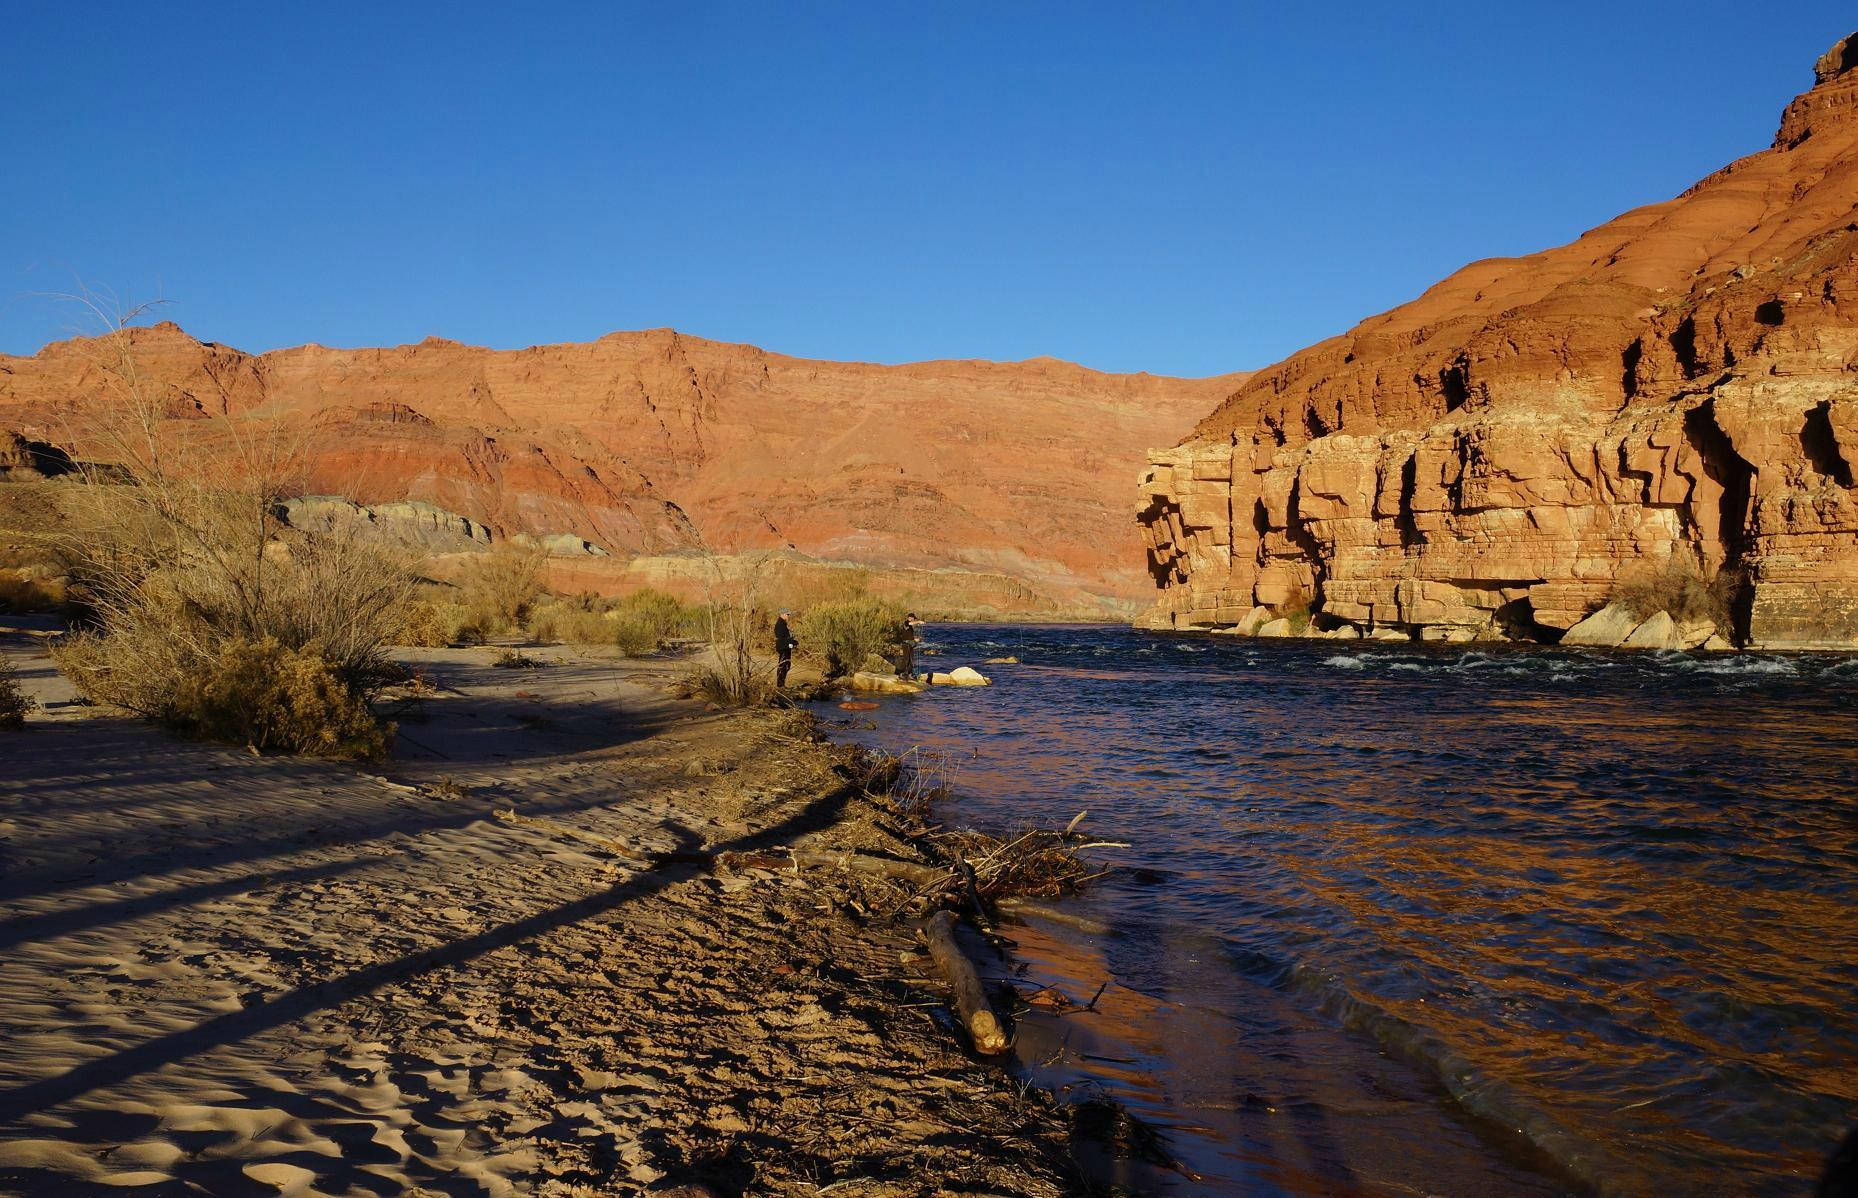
(784, 645)
(906, 646)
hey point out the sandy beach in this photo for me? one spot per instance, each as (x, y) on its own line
(471, 970)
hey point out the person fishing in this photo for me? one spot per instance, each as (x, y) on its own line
(784, 645)
(906, 646)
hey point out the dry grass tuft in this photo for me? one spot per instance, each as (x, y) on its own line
(721, 678)
(1682, 589)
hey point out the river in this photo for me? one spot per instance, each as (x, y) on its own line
(1430, 920)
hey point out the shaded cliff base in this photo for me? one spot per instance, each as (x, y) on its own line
(466, 970)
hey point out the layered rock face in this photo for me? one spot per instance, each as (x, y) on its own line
(658, 443)
(1676, 390)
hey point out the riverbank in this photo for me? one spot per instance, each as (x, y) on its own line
(491, 966)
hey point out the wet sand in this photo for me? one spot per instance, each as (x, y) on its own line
(463, 972)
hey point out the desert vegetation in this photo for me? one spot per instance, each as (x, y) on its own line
(501, 588)
(429, 623)
(501, 595)
(14, 705)
(1680, 587)
(637, 623)
(734, 671)
(847, 634)
(201, 608)
(1299, 608)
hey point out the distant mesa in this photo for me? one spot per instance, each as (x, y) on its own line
(1660, 417)
(999, 481)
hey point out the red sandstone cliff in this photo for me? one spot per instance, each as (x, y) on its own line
(1680, 384)
(656, 442)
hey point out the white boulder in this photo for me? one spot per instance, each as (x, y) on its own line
(1657, 632)
(1607, 628)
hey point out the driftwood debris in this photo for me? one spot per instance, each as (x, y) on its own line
(964, 984)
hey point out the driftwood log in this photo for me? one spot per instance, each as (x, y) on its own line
(964, 985)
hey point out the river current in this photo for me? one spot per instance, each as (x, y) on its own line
(1427, 920)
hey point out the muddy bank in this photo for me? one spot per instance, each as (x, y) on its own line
(491, 967)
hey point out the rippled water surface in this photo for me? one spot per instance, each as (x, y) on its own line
(1415, 920)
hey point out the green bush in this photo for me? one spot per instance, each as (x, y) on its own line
(844, 634)
(244, 692)
(14, 705)
(1299, 608)
(261, 694)
(635, 633)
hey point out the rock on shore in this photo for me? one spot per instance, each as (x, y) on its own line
(1678, 384)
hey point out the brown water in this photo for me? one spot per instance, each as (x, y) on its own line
(1402, 920)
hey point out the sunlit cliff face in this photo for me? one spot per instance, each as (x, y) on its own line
(1678, 384)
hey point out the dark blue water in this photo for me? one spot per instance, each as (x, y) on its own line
(1412, 920)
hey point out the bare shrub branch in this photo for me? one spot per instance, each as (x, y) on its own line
(731, 673)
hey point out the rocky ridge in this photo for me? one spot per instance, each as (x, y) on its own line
(656, 443)
(1675, 391)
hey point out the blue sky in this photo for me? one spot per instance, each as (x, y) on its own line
(1179, 188)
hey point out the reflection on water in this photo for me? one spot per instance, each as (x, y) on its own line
(1412, 920)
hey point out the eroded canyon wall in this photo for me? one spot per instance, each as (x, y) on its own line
(1677, 389)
